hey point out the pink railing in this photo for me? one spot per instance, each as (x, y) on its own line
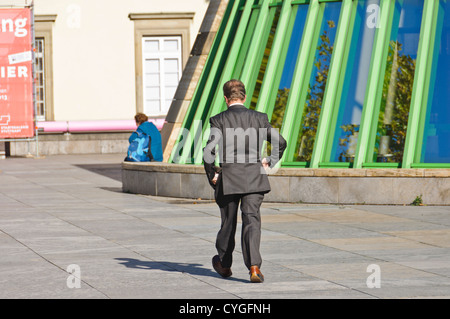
(92, 126)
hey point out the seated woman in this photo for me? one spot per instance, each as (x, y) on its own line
(148, 128)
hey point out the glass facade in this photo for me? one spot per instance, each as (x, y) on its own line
(350, 83)
(436, 147)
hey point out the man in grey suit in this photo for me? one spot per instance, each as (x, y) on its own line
(241, 177)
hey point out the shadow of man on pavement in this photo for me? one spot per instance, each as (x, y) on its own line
(192, 269)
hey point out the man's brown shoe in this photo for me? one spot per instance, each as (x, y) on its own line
(217, 265)
(255, 274)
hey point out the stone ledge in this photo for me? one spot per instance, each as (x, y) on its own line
(163, 167)
(76, 143)
(306, 185)
(290, 171)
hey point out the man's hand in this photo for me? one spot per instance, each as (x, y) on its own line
(216, 177)
(265, 163)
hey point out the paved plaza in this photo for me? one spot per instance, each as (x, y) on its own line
(68, 231)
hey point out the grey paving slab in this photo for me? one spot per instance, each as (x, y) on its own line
(68, 210)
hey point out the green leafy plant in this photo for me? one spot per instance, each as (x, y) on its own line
(417, 201)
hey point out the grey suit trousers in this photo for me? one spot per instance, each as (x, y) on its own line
(251, 227)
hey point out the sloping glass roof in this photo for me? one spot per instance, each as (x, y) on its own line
(348, 83)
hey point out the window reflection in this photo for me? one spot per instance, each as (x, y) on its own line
(289, 66)
(250, 29)
(435, 147)
(398, 82)
(317, 84)
(354, 88)
(265, 59)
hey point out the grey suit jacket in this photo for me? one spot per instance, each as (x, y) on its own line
(240, 133)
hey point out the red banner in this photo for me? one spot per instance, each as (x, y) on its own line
(16, 74)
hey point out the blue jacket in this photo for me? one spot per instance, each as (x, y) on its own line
(156, 145)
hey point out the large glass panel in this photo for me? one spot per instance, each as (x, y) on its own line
(265, 59)
(354, 88)
(289, 66)
(317, 83)
(436, 147)
(398, 81)
(249, 31)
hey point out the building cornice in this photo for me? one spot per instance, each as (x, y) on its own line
(161, 16)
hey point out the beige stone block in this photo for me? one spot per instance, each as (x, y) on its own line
(442, 192)
(196, 186)
(203, 43)
(373, 190)
(437, 172)
(214, 15)
(407, 189)
(167, 184)
(162, 167)
(137, 182)
(314, 190)
(394, 172)
(337, 172)
(182, 110)
(191, 75)
(290, 171)
(279, 189)
(171, 139)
